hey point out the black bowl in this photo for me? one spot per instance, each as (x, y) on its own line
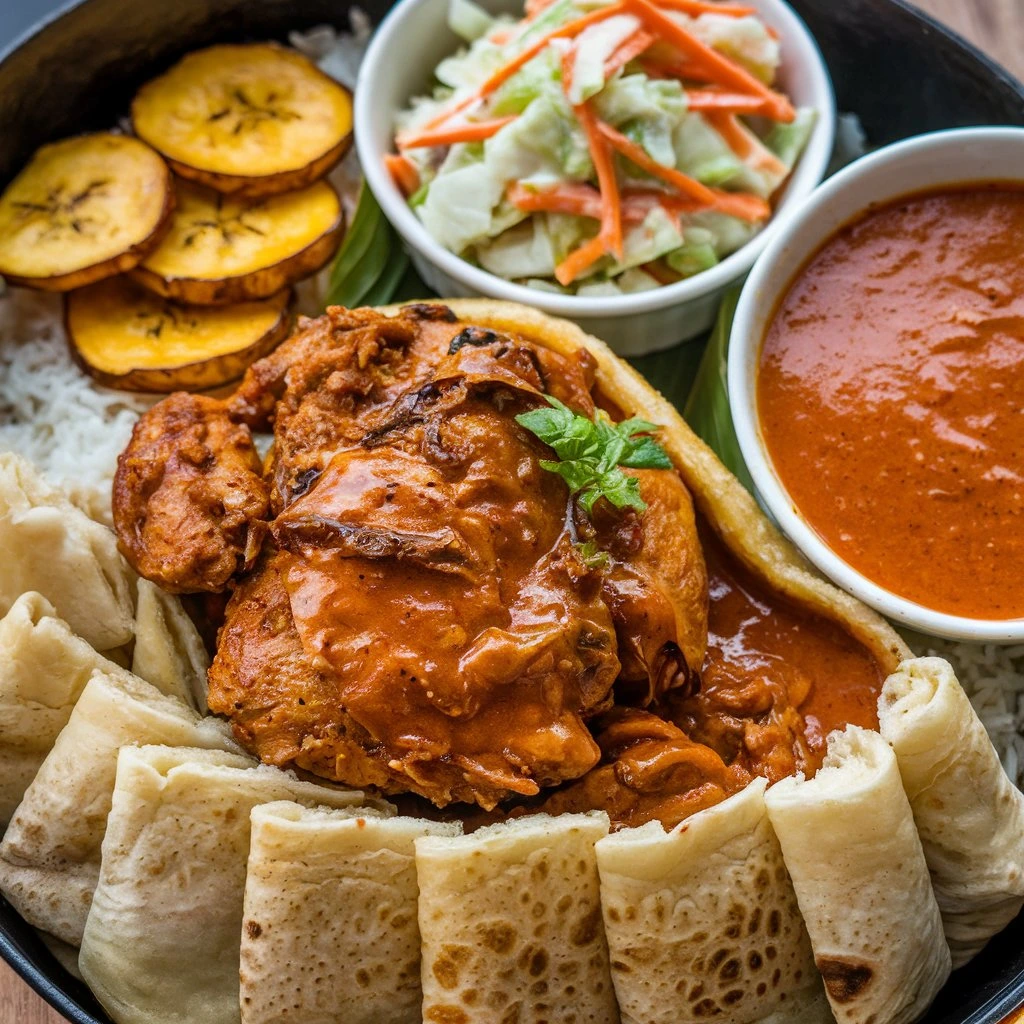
(901, 72)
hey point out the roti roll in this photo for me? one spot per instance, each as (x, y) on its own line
(43, 669)
(702, 922)
(510, 919)
(49, 545)
(162, 940)
(50, 854)
(861, 881)
(355, 877)
(968, 813)
(168, 650)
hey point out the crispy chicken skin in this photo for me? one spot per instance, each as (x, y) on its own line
(186, 492)
(412, 608)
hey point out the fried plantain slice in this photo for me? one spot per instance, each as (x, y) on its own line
(222, 250)
(249, 120)
(83, 209)
(126, 337)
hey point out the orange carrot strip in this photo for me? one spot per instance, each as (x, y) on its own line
(745, 144)
(685, 71)
(718, 99)
(585, 201)
(467, 131)
(736, 204)
(627, 51)
(695, 8)
(611, 200)
(504, 73)
(726, 72)
(570, 197)
(403, 172)
(600, 154)
(579, 260)
(683, 182)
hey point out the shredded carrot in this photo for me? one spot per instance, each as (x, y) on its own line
(579, 260)
(685, 71)
(695, 8)
(745, 144)
(500, 36)
(736, 204)
(629, 50)
(504, 73)
(585, 201)
(403, 172)
(601, 155)
(567, 197)
(683, 182)
(714, 98)
(466, 131)
(726, 72)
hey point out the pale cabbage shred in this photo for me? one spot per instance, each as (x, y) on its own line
(462, 200)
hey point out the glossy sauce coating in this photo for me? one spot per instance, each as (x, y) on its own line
(776, 680)
(891, 393)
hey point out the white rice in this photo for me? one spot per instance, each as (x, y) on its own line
(993, 677)
(52, 412)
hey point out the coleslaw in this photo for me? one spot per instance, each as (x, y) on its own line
(599, 147)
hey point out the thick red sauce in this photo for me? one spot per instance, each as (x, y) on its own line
(891, 398)
(754, 634)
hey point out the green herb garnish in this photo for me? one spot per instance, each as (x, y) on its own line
(593, 557)
(591, 452)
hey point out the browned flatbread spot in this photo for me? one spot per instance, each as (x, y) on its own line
(845, 979)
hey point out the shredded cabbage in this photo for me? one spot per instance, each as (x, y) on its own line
(464, 197)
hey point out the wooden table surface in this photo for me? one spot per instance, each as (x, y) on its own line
(997, 26)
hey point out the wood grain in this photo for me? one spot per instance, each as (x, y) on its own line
(997, 26)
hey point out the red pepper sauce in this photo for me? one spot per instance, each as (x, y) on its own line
(891, 398)
(782, 657)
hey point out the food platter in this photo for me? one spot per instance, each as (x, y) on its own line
(953, 86)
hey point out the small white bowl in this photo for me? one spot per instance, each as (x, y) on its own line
(399, 65)
(918, 164)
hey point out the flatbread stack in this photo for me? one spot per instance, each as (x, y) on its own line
(206, 889)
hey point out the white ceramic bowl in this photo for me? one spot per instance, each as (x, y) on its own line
(922, 163)
(399, 64)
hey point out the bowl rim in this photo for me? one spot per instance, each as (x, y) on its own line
(809, 173)
(745, 341)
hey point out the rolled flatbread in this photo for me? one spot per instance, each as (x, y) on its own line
(49, 545)
(702, 921)
(169, 651)
(969, 815)
(162, 940)
(853, 853)
(510, 919)
(330, 931)
(50, 854)
(43, 669)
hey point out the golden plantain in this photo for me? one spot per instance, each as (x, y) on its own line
(83, 209)
(126, 337)
(249, 120)
(222, 250)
